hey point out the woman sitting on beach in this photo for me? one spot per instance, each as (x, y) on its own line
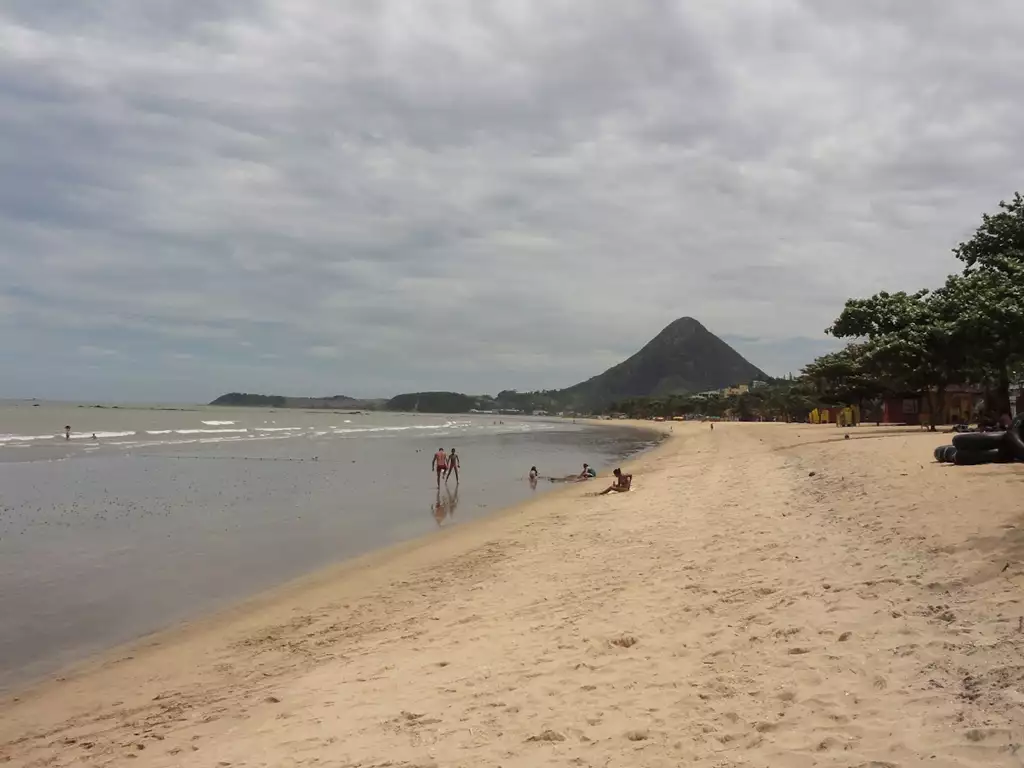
(621, 485)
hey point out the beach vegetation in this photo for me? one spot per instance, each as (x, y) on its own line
(968, 332)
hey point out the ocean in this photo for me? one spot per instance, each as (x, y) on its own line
(174, 511)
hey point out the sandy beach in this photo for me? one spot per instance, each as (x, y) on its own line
(766, 595)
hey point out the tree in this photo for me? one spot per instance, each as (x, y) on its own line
(985, 307)
(1000, 235)
(990, 298)
(848, 377)
(911, 342)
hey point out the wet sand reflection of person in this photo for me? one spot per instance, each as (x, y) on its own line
(444, 507)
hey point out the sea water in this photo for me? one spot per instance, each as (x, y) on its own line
(173, 511)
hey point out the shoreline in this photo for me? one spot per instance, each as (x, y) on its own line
(359, 566)
(766, 594)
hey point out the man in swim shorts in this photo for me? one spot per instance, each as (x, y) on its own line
(440, 464)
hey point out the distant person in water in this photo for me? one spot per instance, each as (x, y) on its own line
(533, 477)
(453, 466)
(439, 464)
(621, 485)
(67, 432)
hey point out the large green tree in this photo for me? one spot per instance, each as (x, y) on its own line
(911, 342)
(988, 299)
(1001, 235)
(985, 308)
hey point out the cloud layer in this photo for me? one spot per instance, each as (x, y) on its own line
(367, 198)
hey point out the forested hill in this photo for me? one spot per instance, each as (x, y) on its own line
(332, 402)
(684, 358)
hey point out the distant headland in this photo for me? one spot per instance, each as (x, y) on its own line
(685, 358)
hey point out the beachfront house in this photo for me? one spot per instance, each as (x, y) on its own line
(959, 405)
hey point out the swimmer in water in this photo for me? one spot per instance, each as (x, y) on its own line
(67, 432)
(533, 478)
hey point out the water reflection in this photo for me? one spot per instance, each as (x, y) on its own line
(444, 505)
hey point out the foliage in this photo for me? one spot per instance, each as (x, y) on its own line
(247, 399)
(433, 402)
(913, 342)
(986, 309)
(1000, 237)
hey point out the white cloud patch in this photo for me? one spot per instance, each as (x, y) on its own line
(475, 196)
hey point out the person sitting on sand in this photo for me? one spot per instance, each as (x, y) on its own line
(440, 464)
(587, 473)
(621, 485)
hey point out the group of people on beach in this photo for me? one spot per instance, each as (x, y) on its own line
(623, 481)
(445, 464)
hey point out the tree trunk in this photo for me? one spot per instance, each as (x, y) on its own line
(936, 400)
(1003, 391)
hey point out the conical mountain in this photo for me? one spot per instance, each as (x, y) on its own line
(684, 358)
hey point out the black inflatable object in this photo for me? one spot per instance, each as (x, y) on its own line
(979, 441)
(948, 453)
(1015, 438)
(939, 452)
(992, 456)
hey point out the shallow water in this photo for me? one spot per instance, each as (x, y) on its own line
(103, 541)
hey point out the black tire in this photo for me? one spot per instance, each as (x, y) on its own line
(949, 453)
(1015, 438)
(967, 458)
(979, 441)
(938, 453)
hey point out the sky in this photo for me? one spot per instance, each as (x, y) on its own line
(366, 198)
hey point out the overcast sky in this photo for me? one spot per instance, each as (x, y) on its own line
(372, 197)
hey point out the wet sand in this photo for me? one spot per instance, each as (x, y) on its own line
(766, 595)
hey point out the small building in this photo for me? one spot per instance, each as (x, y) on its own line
(958, 406)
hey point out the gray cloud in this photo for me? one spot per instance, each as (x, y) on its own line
(368, 198)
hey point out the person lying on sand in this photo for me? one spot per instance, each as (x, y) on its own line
(587, 473)
(621, 485)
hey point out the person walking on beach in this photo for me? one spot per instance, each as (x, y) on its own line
(453, 466)
(67, 432)
(440, 464)
(533, 478)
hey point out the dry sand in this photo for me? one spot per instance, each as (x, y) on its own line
(768, 595)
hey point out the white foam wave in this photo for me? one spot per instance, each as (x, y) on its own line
(100, 435)
(206, 431)
(218, 423)
(24, 438)
(159, 431)
(277, 429)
